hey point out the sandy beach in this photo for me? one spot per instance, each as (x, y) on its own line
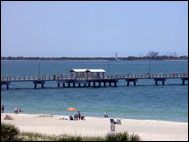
(96, 126)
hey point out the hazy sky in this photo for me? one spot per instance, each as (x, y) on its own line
(89, 29)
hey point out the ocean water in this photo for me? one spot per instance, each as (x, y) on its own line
(144, 101)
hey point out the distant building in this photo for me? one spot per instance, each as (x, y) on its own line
(87, 73)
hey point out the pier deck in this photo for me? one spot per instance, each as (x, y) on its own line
(110, 80)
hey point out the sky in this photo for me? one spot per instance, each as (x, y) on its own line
(93, 29)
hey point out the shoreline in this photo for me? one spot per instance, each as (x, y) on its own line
(97, 126)
(61, 115)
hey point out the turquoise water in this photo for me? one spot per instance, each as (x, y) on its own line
(144, 101)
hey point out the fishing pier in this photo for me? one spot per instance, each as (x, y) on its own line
(89, 79)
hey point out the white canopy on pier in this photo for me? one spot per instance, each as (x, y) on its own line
(78, 70)
(87, 70)
(96, 70)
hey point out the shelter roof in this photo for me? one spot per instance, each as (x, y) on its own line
(87, 70)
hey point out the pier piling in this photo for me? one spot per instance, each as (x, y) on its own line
(183, 80)
(131, 80)
(94, 84)
(134, 83)
(42, 82)
(99, 84)
(89, 84)
(104, 83)
(160, 79)
(115, 84)
(127, 83)
(110, 84)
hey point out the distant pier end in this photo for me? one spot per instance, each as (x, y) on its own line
(184, 79)
(5, 83)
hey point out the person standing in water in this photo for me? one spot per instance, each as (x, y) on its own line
(2, 108)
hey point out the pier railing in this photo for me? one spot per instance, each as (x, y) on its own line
(118, 77)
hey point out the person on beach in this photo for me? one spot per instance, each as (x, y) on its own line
(16, 110)
(82, 117)
(19, 110)
(71, 117)
(2, 108)
(79, 114)
(105, 114)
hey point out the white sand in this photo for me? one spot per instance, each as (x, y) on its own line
(95, 126)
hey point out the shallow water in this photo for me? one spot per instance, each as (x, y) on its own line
(144, 101)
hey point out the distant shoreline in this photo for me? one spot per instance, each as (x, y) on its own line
(130, 58)
(85, 60)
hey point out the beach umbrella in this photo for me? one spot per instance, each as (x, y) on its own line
(71, 109)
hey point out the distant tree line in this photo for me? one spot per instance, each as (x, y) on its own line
(150, 56)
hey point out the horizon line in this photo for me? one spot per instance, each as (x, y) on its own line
(87, 56)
